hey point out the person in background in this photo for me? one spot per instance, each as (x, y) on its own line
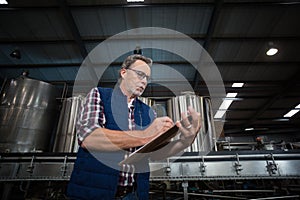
(112, 124)
(259, 143)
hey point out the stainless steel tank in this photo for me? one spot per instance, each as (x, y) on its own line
(27, 115)
(206, 139)
(66, 139)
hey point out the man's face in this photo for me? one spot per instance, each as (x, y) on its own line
(134, 80)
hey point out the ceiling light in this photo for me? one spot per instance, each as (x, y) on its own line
(281, 120)
(3, 2)
(249, 129)
(225, 104)
(231, 95)
(291, 113)
(15, 54)
(272, 51)
(133, 1)
(219, 114)
(298, 107)
(237, 85)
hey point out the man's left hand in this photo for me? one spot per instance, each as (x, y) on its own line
(189, 129)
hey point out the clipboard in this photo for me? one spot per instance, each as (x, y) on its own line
(153, 145)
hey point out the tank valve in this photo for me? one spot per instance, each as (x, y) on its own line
(237, 165)
(168, 171)
(202, 167)
(271, 166)
(31, 166)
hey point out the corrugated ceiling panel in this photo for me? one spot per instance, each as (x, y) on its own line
(41, 53)
(109, 21)
(99, 22)
(249, 103)
(68, 73)
(36, 24)
(239, 115)
(50, 74)
(257, 73)
(253, 51)
(277, 18)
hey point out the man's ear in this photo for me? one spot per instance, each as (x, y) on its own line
(122, 72)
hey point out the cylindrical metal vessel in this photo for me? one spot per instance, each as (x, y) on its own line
(27, 114)
(205, 141)
(66, 139)
(206, 138)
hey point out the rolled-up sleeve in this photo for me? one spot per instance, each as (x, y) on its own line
(91, 115)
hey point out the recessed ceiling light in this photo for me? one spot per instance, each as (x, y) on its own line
(133, 1)
(219, 114)
(291, 113)
(249, 129)
(272, 51)
(237, 85)
(298, 107)
(231, 95)
(3, 2)
(225, 104)
(281, 120)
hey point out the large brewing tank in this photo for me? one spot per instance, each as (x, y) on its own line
(66, 139)
(174, 106)
(28, 111)
(206, 138)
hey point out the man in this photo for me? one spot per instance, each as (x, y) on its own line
(114, 123)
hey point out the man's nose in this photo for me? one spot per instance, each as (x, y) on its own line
(144, 80)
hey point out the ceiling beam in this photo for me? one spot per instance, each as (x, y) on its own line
(72, 26)
(211, 28)
(65, 10)
(231, 64)
(100, 39)
(286, 88)
(106, 4)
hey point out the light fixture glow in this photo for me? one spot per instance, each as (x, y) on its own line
(237, 85)
(272, 51)
(291, 113)
(133, 1)
(3, 2)
(298, 107)
(231, 95)
(225, 104)
(219, 114)
(249, 129)
(281, 120)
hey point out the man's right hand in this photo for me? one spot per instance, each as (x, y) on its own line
(158, 126)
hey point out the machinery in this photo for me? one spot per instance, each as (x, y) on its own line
(208, 169)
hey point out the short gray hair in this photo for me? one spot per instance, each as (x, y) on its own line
(132, 58)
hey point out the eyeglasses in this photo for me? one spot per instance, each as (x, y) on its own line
(141, 75)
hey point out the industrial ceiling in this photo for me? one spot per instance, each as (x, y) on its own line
(55, 37)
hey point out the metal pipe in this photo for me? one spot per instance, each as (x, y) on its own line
(242, 191)
(256, 156)
(207, 195)
(282, 197)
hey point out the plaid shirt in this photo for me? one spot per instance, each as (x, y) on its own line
(92, 117)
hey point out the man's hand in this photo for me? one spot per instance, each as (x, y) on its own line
(189, 129)
(158, 126)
